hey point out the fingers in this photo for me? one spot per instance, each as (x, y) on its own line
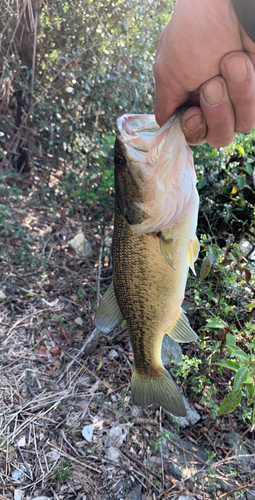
(238, 71)
(214, 121)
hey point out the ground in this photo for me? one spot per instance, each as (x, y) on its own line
(58, 375)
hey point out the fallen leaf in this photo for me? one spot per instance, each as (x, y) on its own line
(78, 321)
(55, 351)
(64, 333)
(41, 350)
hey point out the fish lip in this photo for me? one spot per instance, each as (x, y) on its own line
(137, 130)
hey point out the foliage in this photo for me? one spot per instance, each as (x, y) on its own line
(244, 380)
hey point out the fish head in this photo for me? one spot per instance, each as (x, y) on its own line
(133, 181)
(154, 171)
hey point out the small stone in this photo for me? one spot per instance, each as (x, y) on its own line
(135, 493)
(2, 295)
(42, 498)
(20, 473)
(240, 450)
(19, 494)
(192, 416)
(113, 354)
(171, 351)
(87, 432)
(81, 246)
(112, 454)
(53, 455)
(22, 442)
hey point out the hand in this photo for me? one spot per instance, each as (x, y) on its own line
(201, 61)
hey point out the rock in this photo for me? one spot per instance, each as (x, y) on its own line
(188, 463)
(81, 246)
(42, 498)
(171, 351)
(174, 470)
(19, 494)
(20, 473)
(250, 494)
(87, 432)
(113, 354)
(117, 435)
(53, 455)
(182, 497)
(135, 493)
(2, 295)
(225, 484)
(112, 454)
(192, 416)
(239, 449)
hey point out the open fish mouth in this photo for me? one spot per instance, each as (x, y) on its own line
(164, 156)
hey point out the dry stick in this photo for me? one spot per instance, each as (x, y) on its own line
(95, 335)
(63, 454)
(99, 269)
(244, 487)
(23, 319)
(161, 451)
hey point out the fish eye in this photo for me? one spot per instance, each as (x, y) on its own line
(120, 162)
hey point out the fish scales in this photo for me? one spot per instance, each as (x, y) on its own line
(153, 246)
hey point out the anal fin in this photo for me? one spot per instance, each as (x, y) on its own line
(108, 313)
(167, 250)
(193, 252)
(181, 331)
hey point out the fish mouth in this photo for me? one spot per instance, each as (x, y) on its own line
(137, 130)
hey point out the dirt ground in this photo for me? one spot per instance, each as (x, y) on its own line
(68, 429)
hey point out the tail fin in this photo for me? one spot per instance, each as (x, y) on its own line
(160, 389)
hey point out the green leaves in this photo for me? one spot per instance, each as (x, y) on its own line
(244, 369)
(215, 324)
(230, 403)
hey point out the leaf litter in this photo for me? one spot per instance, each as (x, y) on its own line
(68, 429)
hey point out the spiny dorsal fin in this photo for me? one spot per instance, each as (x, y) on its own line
(108, 314)
(181, 331)
(160, 389)
(167, 250)
(193, 252)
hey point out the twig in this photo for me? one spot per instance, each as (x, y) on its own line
(93, 338)
(244, 487)
(23, 319)
(161, 451)
(99, 269)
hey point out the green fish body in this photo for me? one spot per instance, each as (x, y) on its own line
(154, 244)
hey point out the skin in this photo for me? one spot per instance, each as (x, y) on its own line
(209, 64)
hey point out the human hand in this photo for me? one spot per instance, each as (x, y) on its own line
(201, 60)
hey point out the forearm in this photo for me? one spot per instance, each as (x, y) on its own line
(245, 11)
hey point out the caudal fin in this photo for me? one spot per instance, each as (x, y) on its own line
(160, 389)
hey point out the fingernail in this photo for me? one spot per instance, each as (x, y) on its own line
(236, 69)
(213, 92)
(194, 122)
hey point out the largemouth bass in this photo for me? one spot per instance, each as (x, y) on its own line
(154, 244)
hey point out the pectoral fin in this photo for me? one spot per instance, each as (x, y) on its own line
(193, 252)
(167, 250)
(160, 389)
(181, 331)
(108, 314)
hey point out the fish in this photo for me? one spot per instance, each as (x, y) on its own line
(154, 245)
